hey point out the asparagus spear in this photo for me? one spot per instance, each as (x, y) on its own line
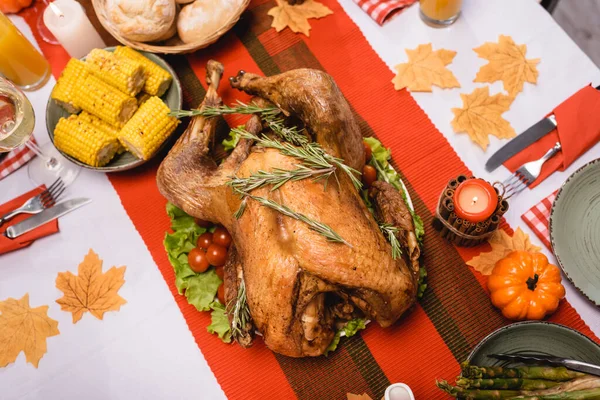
(587, 382)
(476, 394)
(560, 374)
(506, 383)
(591, 394)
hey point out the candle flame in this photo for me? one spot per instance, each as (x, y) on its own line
(56, 10)
(475, 198)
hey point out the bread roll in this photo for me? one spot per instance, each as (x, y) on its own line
(183, 1)
(202, 18)
(142, 20)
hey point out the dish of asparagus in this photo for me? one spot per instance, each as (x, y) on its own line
(526, 382)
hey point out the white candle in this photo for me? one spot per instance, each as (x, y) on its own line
(67, 21)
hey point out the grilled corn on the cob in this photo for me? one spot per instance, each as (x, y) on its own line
(105, 102)
(85, 142)
(102, 126)
(148, 128)
(69, 82)
(125, 74)
(158, 80)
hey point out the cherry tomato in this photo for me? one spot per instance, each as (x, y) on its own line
(221, 293)
(368, 152)
(205, 240)
(203, 223)
(221, 237)
(369, 175)
(198, 260)
(220, 272)
(216, 255)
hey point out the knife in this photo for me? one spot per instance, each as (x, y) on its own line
(525, 139)
(551, 360)
(48, 214)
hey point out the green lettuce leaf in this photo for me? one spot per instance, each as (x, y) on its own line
(351, 328)
(422, 282)
(219, 322)
(386, 172)
(232, 141)
(201, 289)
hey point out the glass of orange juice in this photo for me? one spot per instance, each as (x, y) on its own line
(440, 12)
(20, 62)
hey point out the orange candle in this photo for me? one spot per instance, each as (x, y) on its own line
(475, 200)
(20, 62)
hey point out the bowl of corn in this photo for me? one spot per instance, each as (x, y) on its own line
(109, 110)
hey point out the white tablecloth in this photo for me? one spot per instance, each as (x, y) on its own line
(146, 350)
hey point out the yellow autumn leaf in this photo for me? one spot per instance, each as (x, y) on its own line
(481, 115)
(24, 329)
(425, 68)
(296, 17)
(502, 245)
(507, 63)
(91, 290)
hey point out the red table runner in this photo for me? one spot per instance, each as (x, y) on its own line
(455, 312)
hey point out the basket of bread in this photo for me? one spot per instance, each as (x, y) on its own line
(168, 26)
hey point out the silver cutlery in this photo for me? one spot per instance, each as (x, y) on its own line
(39, 203)
(530, 358)
(525, 139)
(40, 219)
(527, 174)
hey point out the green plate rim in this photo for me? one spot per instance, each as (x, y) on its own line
(550, 223)
(519, 324)
(136, 163)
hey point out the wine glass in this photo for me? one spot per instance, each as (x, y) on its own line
(17, 121)
(43, 30)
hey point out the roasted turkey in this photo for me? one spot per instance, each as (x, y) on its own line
(299, 286)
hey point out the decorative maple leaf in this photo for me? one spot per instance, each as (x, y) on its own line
(425, 68)
(502, 245)
(25, 329)
(507, 63)
(91, 290)
(481, 116)
(296, 17)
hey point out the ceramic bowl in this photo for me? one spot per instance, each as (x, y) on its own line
(535, 337)
(575, 229)
(172, 98)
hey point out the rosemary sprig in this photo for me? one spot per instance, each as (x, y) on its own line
(239, 108)
(322, 229)
(311, 153)
(287, 133)
(277, 177)
(241, 313)
(390, 231)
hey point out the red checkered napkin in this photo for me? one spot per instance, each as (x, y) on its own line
(379, 10)
(538, 218)
(15, 160)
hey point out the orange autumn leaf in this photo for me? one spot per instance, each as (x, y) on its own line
(91, 290)
(296, 17)
(24, 329)
(425, 68)
(507, 63)
(502, 245)
(481, 115)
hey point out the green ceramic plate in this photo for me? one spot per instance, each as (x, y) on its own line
(535, 337)
(575, 229)
(126, 160)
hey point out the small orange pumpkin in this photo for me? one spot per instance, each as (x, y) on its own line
(13, 6)
(524, 285)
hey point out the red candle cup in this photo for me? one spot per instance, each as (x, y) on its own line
(475, 200)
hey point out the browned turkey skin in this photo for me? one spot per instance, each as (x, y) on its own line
(298, 284)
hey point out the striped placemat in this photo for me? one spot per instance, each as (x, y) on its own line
(455, 312)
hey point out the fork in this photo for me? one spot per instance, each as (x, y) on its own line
(527, 174)
(37, 204)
